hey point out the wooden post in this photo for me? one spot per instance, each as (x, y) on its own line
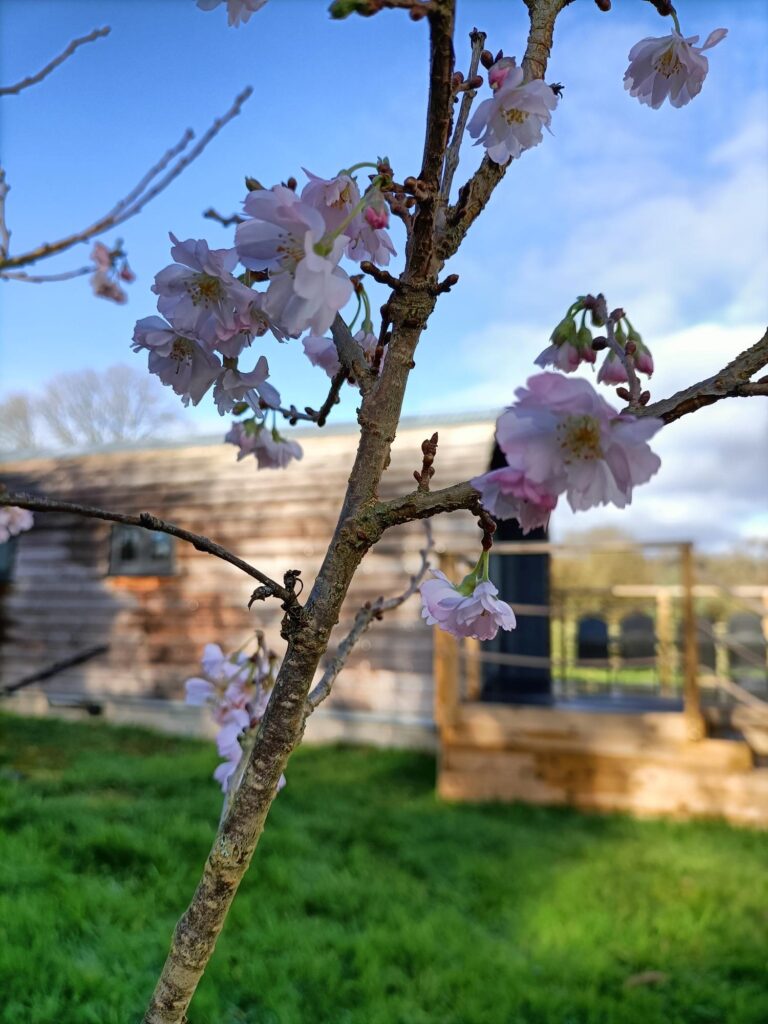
(473, 671)
(665, 640)
(446, 664)
(691, 694)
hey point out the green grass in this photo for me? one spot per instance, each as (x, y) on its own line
(369, 901)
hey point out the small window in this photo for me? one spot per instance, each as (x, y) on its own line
(7, 559)
(137, 552)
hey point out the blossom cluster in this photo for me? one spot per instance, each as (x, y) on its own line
(14, 520)
(111, 267)
(236, 688)
(571, 345)
(562, 437)
(294, 242)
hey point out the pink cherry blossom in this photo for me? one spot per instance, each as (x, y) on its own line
(199, 294)
(14, 520)
(333, 198)
(181, 363)
(476, 614)
(107, 288)
(511, 121)
(669, 67)
(560, 437)
(232, 387)
(238, 11)
(271, 449)
(311, 296)
(507, 494)
(612, 370)
(272, 238)
(101, 256)
(322, 352)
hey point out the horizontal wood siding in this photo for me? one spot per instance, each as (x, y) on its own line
(62, 600)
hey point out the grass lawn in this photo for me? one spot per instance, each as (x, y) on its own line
(369, 901)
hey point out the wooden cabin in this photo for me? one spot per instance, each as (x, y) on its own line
(113, 620)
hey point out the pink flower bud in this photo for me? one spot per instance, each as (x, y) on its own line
(498, 73)
(377, 218)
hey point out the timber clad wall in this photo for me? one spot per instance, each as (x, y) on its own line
(62, 600)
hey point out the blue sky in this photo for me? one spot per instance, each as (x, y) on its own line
(666, 211)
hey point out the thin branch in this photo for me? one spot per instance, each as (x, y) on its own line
(5, 234)
(452, 155)
(225, 222)
(53, 670)
(140, 195)
(66, 275)
(149, 522)
(733, 381)
(351, 356)
(318, 416)
(363, 619)
(97, 33)
(424, 504)
(474, 195)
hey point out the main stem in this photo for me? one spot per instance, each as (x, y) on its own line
(361, 522)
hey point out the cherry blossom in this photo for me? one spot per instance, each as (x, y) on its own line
(569, 347)
(238, 11)
(199, 294)
(107, 288)
(236, 688)
(232, 387)
(311, 296)
(335, 199)
(470, 609)
(180, 362)
(322, 352)
(511, 121)
(560, 437)
(669, 67)
(270, 448)
(14, 520)
(508, 494)
(272, 238)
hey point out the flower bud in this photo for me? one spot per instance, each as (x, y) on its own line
(565, 332)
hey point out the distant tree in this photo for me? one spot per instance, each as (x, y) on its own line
(17, 423)
(87, 407)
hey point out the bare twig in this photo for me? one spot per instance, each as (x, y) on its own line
(424, 504)
(148, 522)
(225, 222)
(5, 234)
(452, 155)
(140, 195)
(66, 275)
(363, 619)
(474, 195)
(318, 416)
(53, 670)
(97, 33)
(733, 381)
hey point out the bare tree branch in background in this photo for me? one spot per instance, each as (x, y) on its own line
(18, 431)
(86, 408)
(97, 33)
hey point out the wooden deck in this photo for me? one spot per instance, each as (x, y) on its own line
(646, 762)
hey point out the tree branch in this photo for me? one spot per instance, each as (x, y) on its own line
(140, 195)
(363, 619)
(452, 156)
(733, 381)
(474, 195)
(148, 522)
(424, 504)
(66, 275)
(97, 33)
(5, 234)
